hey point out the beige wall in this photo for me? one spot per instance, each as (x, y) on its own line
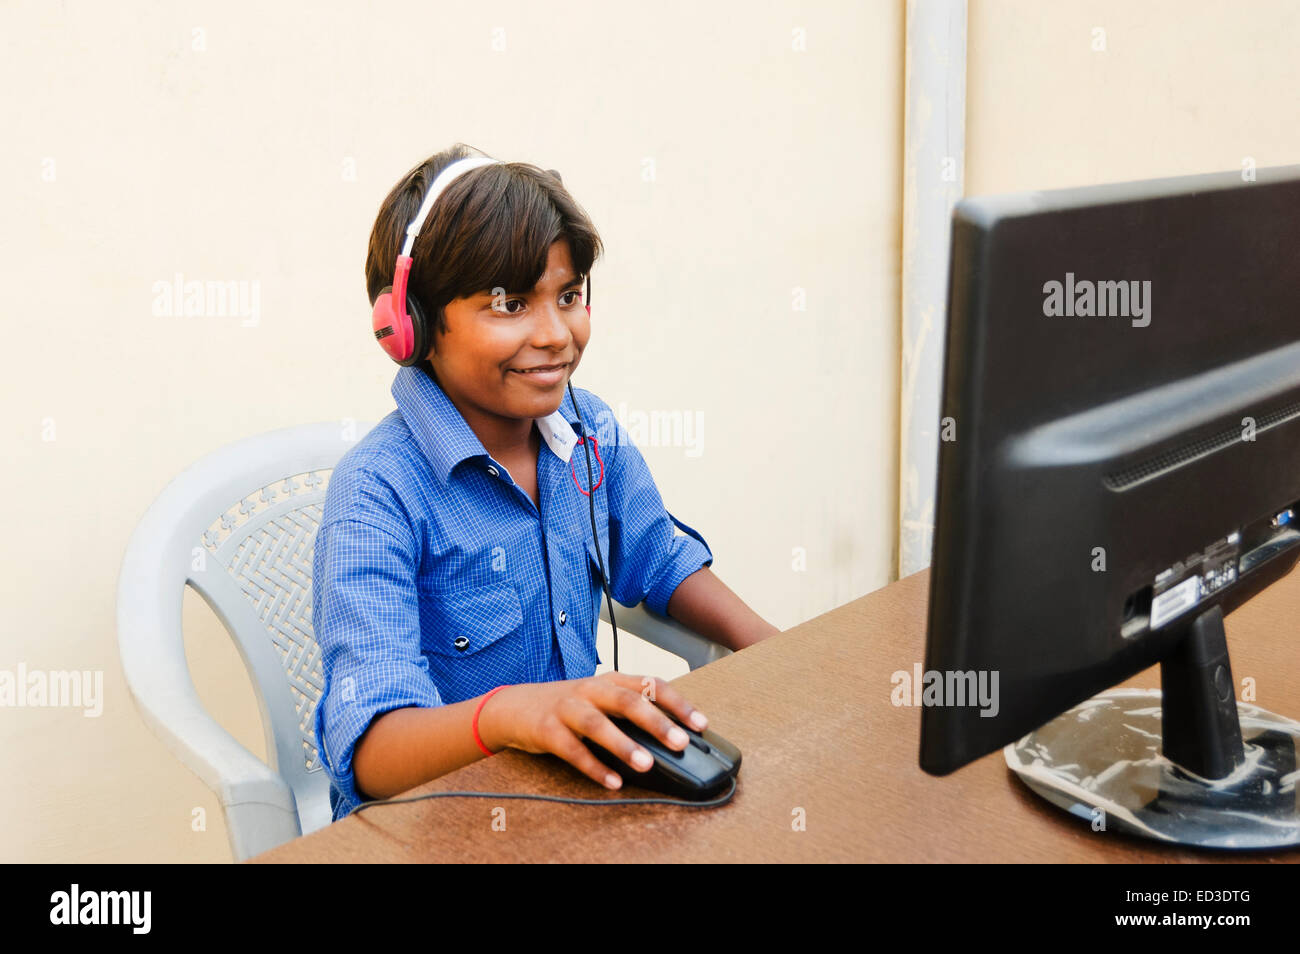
(132, 154)
(1182, 86)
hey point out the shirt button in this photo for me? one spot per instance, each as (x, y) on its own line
(492, 471)
(461, 643)
(563, 617)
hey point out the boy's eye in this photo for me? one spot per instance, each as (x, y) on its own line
(505, 306)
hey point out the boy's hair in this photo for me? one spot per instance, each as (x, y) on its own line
(492, 227)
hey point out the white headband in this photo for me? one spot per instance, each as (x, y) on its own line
(440, 182)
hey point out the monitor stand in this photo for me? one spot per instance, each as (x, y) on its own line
(1190, 766)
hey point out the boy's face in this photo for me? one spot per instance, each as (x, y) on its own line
(489, 339)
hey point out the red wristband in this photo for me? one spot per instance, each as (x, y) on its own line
(477, 739)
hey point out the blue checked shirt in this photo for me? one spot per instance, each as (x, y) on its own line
(436, 577)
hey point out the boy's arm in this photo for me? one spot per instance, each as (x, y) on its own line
(365, 616)
(706, 604)
(404, 748)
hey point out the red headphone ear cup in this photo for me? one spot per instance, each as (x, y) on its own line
(393, 335)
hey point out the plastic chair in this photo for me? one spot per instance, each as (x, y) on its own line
(239, 526)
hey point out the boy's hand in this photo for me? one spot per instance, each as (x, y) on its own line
(555, 716)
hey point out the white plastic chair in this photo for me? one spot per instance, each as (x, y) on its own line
(239, 526)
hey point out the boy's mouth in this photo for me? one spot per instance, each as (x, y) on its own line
(543, 375)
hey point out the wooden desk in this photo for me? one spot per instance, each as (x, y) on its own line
(811, 711)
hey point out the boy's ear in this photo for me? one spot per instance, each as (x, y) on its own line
(557, 176)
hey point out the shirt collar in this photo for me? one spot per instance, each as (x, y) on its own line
(445, 438)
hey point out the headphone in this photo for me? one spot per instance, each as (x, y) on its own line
(403, 331)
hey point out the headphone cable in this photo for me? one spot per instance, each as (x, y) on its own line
(591, 503)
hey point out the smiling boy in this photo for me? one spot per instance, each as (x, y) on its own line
(455, 552)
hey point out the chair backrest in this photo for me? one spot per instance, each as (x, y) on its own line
(239, 526)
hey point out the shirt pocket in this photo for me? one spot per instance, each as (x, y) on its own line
(470, 620)
(475, 640)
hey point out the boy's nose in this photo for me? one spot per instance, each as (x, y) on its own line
(551, 327)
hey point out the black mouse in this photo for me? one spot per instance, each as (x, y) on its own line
(698, 772)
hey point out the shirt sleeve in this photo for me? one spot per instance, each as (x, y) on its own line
(365, 615)
(649, 558)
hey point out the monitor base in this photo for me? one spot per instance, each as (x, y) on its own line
(1102, 762)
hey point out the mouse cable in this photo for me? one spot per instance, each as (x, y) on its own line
(710, 803)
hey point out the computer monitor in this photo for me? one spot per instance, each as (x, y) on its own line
(1119, 468)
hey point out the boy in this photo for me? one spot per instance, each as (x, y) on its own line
(454, 560)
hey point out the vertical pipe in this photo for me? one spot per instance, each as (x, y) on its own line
(934, 153)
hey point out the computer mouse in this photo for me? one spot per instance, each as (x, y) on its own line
(698, 772)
